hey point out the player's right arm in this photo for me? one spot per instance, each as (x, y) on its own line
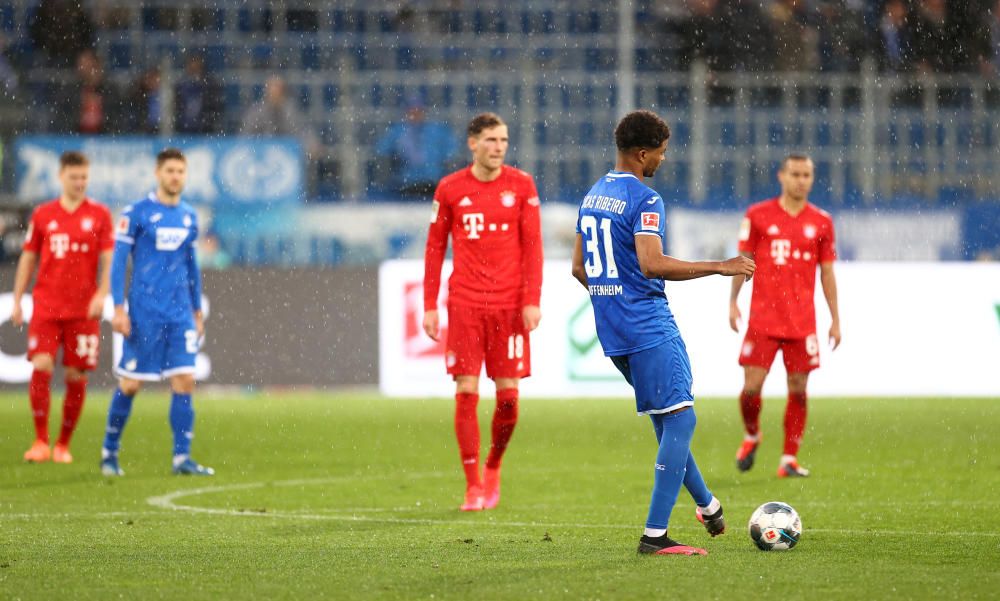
(748, 241)
(125, 235)
(655, 264)
(437, 246)
(25, 267)
(734, 292)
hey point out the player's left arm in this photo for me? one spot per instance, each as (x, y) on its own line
(827, 254)
(96, 306)
(194, 282)
(532, 258)
(107, 246)
(829, 282)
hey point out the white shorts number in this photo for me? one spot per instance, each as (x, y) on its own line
(191, 341)
(86, 346)
(515, 346)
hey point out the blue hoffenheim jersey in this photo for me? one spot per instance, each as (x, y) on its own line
(161, 239)
(630, 310)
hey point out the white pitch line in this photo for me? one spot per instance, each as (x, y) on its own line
(167, 502)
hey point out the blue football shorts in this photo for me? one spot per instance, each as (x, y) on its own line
(158, 350)
(661, 377)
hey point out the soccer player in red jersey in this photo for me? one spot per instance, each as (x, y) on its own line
(787, 237)
(70, 239)
(491, 211)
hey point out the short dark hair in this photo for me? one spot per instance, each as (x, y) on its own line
(484, 121)
(794, 156)
(641, 129)
(73, 158)
(167, 154)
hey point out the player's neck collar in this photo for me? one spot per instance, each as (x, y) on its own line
(617, 174)
(153, 197)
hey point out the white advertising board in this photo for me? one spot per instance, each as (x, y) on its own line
(909, 329)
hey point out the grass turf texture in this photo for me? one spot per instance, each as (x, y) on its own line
(332, 496)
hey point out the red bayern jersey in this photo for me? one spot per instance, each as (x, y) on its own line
(68, 246)
(787, 250)
(496, 241)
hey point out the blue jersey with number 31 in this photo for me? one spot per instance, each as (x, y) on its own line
(630, 310)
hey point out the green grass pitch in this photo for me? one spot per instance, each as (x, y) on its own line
(355, 497)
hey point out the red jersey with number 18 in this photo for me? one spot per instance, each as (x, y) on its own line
(496, 239)
(68, 246)
(787, 250)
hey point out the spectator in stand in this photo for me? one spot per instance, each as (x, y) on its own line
(90, 104)
(895, 37)
(276, 115)
(197, 100)
(842, 34)
(418, 152)
(991, 64)
(795, 39)
(703, 36)
(932, 44)
(145, 104)
(62, 29)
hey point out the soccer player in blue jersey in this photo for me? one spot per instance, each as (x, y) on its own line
(619, 257)
(163, 322)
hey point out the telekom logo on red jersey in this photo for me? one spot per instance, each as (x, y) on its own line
(780, 251)
(59, 245)
(474, 223)
(416, 343)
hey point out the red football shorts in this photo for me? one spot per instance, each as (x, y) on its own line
(79, 338)
(801, 355)
(496, 336)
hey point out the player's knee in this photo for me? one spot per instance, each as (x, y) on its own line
(75, 375)
(467, 384)
(752, 390)
(182, 384)
(797, 383)
(43, 363)
(129, 387)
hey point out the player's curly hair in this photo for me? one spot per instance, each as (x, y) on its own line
(641, 129)
(483, 121)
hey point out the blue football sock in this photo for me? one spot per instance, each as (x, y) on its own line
(118, 412)
(675, 432)
(695, 484)
(182, 422)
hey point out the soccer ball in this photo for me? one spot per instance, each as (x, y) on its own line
(775, 526)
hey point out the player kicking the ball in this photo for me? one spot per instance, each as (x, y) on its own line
(68, 238)
(163, 323)
(491, 211)
(619, 258)
(788, 237)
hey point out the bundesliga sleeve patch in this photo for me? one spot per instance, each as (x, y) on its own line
(745, 229)
(435, 206)
(123, 224)
(651, 222)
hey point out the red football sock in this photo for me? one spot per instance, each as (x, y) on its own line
(504, 420)
(750, 408)
(76, 392)
(467, 431)
(39, 395)
(795, 422)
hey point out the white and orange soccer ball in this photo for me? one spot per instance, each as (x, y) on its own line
(775, 526)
